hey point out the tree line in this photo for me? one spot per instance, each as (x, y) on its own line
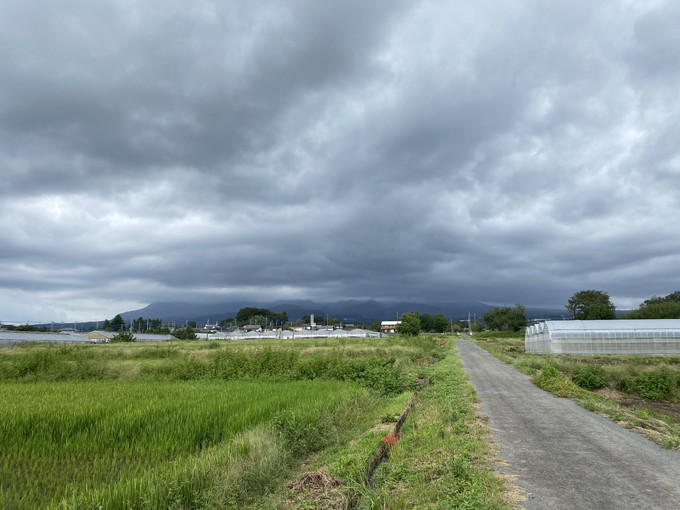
(596, 305)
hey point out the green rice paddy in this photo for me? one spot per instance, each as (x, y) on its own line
(59, 436)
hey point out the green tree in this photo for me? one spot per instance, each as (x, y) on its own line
(667, 307)
(245, 315)
(260, 320)
(156, 326)
(673, 297)
(410, 324)
(506, 318)
(185, 333)
(117, 323)
(374, 326)
(477, 326)
(590, 305)
(138, 324)
(434, 323)
(27, 327)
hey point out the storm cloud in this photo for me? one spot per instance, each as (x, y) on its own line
(512, 152)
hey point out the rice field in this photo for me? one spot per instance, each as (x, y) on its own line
(185, 424)
(59, 438)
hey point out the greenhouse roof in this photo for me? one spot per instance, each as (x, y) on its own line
(634, 328)
(634, 336)
(610, 325)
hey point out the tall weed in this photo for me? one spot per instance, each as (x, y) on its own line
(654, 385)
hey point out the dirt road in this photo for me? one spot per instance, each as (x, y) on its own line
(567, 457)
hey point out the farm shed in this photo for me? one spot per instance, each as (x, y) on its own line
(639, 336)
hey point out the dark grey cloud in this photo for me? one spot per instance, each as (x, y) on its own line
(513, 152)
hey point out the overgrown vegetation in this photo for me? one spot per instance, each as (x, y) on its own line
(387, 372)
(188, 424)
(440, 459)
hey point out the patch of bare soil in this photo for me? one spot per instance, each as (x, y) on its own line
(671, 409)
(325, 490)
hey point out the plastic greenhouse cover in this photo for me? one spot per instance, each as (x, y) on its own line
(614, 325)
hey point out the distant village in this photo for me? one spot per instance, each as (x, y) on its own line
(155, 331)
(248, 323)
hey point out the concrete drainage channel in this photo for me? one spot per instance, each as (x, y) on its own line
(382, 452)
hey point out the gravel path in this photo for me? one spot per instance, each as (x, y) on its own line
(567, 457)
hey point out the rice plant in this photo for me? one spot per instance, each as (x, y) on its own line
(55, 437)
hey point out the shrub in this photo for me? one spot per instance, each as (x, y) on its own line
(123, 336)
(655, 385)
(185, 334)
(548, 372)
(590, 377)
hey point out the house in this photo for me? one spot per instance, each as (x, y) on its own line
(389, 327)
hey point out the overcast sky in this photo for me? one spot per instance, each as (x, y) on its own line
(506, 152)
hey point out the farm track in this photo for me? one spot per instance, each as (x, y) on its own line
(567, 457)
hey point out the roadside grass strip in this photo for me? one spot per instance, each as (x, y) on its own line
(441, 458)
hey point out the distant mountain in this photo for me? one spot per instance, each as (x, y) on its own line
(361, 311)
(356, 311)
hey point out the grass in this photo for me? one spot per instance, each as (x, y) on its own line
(185, 424)
(649, 386)
(248, 424)
(442, 458)
(299, 359)
(63, 435)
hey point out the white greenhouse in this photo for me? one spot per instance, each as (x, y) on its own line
(638, 336)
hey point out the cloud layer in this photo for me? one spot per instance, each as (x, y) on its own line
(385, 149)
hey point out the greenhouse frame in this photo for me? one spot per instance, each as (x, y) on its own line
(634, 336)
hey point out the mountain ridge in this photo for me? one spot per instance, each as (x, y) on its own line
(363, 311)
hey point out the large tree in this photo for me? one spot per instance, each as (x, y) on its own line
(410, 324)
(434, 323)
(506, 318)
(591, 305)
(117, 323)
